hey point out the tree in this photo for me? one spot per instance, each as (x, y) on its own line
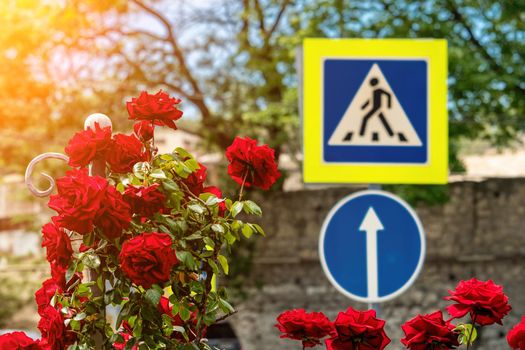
(233, 61)
(485, 50)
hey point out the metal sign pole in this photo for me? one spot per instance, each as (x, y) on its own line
(374, 306)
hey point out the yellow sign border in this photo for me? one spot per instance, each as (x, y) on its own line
(315, 170)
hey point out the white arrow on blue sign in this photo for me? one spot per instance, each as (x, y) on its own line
(372, 246)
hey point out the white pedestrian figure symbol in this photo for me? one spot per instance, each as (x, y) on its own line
(375, 117)
(377, 100)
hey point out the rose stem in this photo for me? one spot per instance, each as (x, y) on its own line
(243, 182)
(471, 331)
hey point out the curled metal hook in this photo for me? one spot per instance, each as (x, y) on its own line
(29, 173)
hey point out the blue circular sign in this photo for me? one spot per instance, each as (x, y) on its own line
(372, 246)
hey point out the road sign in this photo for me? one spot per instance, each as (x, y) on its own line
(372, 246)
(375, 111)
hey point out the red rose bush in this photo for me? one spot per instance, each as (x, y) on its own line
(483, 301)
(143, 233)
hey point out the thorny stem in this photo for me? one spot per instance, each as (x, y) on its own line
(243, 182)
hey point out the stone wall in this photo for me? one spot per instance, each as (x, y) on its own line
(479, 232)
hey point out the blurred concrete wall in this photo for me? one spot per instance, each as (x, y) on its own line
(479, 232)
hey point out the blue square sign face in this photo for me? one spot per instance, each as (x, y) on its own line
(375, 111)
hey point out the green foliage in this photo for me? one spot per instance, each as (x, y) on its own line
(467, 333)
(245, 67)
(485, 53)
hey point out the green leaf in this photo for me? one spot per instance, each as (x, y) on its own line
(184, 314)
(90, 259)
(170, 185)
(225, 306)
(214, 266)
(465, 331)
(259, 229)
(179, 329)
(199, 209)
(166, 157)
(192, 164)
(247, 230)
(193, 236)
(80, 316)
(83, 289)
(158, 174)
(71, 271)
(224, 263)
(183, 153)
(230, 238)
(140, 169)
(217, 228)
(89, 238)
(153, 296)
(252, 208)
(186, 258)
(137, 329)
(209, 242)
(120, 187)
(236, 208)
(212, 200)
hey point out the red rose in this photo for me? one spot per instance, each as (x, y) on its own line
(144, 130)
(122, 346)
(17, 341)
(85, 145)
(307, 327)
(218, 193)
(485, 301)
(44, 295)
(57, 244)
(516, 336)
(160, 108)
(429, 332)
(78, 200)
(195, 181)
(358, 330)
(58, 274)
(165, 308)
(55, 335)
(251, 164)
(148, 259)
(126, 151)
(145, 201)
(114, 214)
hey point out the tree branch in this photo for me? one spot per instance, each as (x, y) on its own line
(177, 52)
(284, 5)
(260, 17)
(477, 44)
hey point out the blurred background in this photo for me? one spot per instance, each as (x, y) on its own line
(233, 64)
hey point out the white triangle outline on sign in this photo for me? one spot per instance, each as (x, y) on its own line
(385, 126)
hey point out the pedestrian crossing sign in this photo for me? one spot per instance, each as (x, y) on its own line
(375, 111)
